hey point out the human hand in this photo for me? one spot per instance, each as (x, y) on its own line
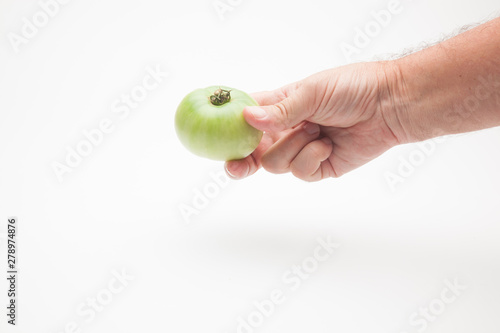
(323, 126)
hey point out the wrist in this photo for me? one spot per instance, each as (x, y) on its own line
(395, 102)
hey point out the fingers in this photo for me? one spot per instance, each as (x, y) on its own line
(310, 164)
(278, 157)
(277, 95)
(281, 115)
(279, 110)
(268, 97)
(299, 151)
(238, 169)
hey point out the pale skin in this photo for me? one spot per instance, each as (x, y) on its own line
(337, 120)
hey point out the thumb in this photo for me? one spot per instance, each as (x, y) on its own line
(278, 117)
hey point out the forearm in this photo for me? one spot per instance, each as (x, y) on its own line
(452, 87)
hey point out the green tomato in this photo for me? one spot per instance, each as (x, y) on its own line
(209, 122)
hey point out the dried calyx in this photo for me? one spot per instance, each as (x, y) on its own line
(220, 97)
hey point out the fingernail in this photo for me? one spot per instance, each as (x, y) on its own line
(326, 140)
(311, 128)
(229, 172)
(257, 112)
(239, 170)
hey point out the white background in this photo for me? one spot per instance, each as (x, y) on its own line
(120, 208)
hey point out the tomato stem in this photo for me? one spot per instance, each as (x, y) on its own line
(220, 97)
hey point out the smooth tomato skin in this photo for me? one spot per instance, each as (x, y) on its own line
(217, 132)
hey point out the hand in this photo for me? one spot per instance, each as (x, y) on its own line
(323, 126)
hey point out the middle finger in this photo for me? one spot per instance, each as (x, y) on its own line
(278, 157)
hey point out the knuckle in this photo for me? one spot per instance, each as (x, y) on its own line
(282, 113)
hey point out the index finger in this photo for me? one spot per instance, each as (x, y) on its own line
(268, 97)
(275, 96)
